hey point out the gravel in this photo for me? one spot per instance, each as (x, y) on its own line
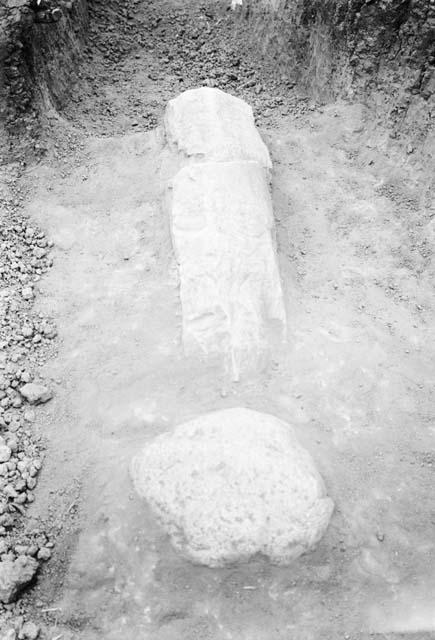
(27, 340)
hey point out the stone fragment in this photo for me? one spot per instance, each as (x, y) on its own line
(29, 415)
(29, 631)
(15, 575)
(36, 393)
(5, 453)
(27, 331)
(233, 484)
(27, 293)
(215, 126)
(230, 288)
(44, 554)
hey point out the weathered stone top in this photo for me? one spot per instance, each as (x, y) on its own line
(232, 484)
(216, 126)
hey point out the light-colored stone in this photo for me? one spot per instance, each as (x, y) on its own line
(232, 484)
(5, 453)
(15, 575)
(230, 289)
(27, 293)
(212, 125)
(223, 231)
(29, 631)
(36, 393)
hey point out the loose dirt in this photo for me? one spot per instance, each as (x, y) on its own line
(355, 235)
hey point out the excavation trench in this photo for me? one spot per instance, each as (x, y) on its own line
(354, 234)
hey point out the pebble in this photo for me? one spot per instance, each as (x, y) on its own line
(24, 253)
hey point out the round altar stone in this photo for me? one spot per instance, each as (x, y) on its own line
(232, 484)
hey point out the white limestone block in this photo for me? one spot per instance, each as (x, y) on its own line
(230, 289)
(232, 484)
(213, 125)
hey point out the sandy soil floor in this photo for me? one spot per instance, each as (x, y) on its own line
(355, 379)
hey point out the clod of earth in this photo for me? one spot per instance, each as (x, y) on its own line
(232, 484)
(15, 575)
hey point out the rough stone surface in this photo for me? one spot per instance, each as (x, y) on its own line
(232, 484)
(214, 125)
(230, 289)
(14, 575)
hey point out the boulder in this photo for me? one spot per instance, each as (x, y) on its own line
(15, 575)
(230, 289)
(233, 484)
(212, 125)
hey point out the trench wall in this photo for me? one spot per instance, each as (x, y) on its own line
(380, 52)
(38, 66)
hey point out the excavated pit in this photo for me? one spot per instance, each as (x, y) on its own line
(342, 94)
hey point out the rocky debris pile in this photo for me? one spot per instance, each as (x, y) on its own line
(26, 342)
(176, 48)
(210, 50)
(233, 484)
